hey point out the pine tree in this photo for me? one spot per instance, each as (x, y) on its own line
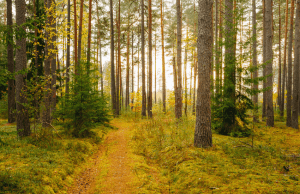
(23, 125)
(203, 134)
(10, 64)
(290, 76)
(295, 103)
(269, 69)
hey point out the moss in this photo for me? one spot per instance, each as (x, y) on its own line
(41, 164)
(232, 165)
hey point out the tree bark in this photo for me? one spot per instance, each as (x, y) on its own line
(264, 59)
(80, 34)
(127, 68)
(279, 64)
(68, 49)
(75, 37)
(150, 60)
(143, 62)
(112, 58)
(254, 60)
(53, 58)
(269, 68)
(23, 125)
(296, 69)
(164, 94)
(217, 62)
(203, 134)
(89, 36)
(10, 64)
(284, 62)
(178, 100)
(290, 70)
(47, 71)
(229, 82)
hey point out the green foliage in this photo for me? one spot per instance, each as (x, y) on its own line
(84, 108)
(222, 121)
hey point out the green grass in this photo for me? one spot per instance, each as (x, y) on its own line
(232, 165)
(42, 163)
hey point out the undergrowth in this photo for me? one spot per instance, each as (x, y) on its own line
(42, 163)
(167, 162)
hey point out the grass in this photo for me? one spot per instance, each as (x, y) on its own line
(42, 163)
(167, 161)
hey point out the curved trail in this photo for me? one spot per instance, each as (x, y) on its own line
(109, 171)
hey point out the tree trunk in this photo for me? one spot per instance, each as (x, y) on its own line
(112, 58)
(68, 48)
(254, 60)
(217, 62)
(164, 94)
(269, 68)
(89, 36)
(23, 125)
(101, 68)
(143, 63)
(75, 37)
(80, 34)
(150, 60)
(296, 70)
(155, 69)
(229, 82)
(284, 62)
(290, 69)
(203, 134)
(264, 59)
(53, 58)
(279, 64)
(185, 78)
(127, 68)
(10, 64)
(119, 85)
(132, 72)
(47, 72)
(178, 100)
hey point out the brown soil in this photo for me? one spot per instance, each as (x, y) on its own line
(119, 177)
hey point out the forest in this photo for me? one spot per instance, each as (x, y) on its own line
(149, 96)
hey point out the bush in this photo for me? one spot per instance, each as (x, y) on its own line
(223, 124)
(84, 107)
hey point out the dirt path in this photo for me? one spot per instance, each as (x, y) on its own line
(110, 170)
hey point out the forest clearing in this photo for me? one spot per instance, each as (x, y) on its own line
(149, 96)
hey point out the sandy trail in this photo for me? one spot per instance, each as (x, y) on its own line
(118, 175)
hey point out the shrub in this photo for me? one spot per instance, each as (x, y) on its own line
(84, 107)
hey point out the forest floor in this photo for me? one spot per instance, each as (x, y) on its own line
(152, 156)
(110, 170)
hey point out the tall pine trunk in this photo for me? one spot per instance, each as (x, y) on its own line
(178, 100)
(23, 125)
(164, 94)
(112, 58)
(10, 64)
(127, 68)
(296, 69)
(143, 63)
(150, 60)
(284, 62)
(254, 59)
(203, 134)
(279, 63)
(68, 48)
(89, 35)
(290, 69)
(269, 68)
